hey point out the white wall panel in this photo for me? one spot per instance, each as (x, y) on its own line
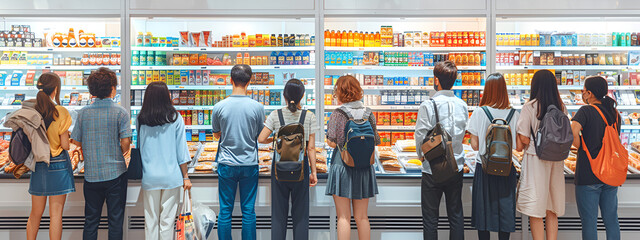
(568, 5)
(222, 5)
(404, 5)
(59, 4)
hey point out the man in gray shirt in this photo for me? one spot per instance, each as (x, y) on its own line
(237, 122)
(453, 116)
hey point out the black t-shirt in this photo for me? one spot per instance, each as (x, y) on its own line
(592, 132)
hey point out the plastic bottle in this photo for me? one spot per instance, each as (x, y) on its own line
(344, 39)
(327, 38)
(377, 41)
(334, 38)
(273, 58)
(289, 59)
(281, 58)
(297, 58)
(305, 58)
(73, 42)
(140, 39)
(350, 40)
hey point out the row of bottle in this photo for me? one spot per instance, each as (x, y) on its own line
(614, 39)
(387, 38)
(383, 58)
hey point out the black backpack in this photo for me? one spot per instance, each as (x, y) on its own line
(289, 145)
(554, 136)
(496, 159)
(19, 147)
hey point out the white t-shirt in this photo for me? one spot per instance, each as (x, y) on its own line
(479, 122)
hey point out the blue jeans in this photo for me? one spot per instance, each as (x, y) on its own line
(229, 177)
(588, 198)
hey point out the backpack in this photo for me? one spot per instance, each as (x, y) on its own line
(289, 150)
(610, 166)
(438, 151)
(496, 159)
(360, 145)
(554, 136)
(19, 147)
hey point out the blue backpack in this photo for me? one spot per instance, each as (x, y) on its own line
(360, 145)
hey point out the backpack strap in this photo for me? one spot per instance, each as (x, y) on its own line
(435, 109)
(602, 115)
(281, 118)
(303, 116)
(488, 113)
(510, 116)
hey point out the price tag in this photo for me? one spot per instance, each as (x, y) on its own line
(203, 67)
(176, 49)
(276, 67)
(244, 49)
(361, 49)
(203, 49)
(49, 49)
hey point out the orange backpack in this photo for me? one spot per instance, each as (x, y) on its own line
(610, 166)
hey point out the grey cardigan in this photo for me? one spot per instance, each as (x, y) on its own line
(33, 126)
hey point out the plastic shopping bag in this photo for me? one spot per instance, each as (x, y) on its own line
(205, 220)
(185, 227)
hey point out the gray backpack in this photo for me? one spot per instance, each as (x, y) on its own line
(554, 136)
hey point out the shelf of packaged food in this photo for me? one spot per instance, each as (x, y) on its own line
(54, 67)
(398, 87)
(398, 68)
(408, 49)
(576, 107)
(53, 49)
(382, 107)
(219, 87)
(15, 107)
(182, 107)
(225, 67)
(583, 48)
(575, 87)
(569, 67)
(224, 49)
(29, 88)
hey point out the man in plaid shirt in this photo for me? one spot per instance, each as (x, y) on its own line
(103, 131)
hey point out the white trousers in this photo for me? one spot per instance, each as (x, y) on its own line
(160, 209)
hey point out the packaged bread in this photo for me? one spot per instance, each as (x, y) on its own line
(207, 156)
(264, 156)
(406, 145)
(387, 155)
(391, 165)
(321, 158)
(204, 166)
(211, 147)
(321, 168)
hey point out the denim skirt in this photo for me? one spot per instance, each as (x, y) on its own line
(54, 179)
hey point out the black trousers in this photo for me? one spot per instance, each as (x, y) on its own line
(114, 192)
(298, 192)
(431, 196)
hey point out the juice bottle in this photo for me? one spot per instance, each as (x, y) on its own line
(273, 40)
(344, 39)
(350, 41)
(377, 41)
(327, 38)
(305, 58)
(281, 58)
(465, 39)
(280, 41)
(333, 37)
(356, 39)
(362, 37)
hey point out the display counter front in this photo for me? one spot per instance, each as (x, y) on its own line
(394, 213)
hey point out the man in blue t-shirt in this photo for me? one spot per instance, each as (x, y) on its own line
(237, 122)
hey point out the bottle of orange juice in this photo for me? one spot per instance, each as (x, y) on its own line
(344, 39)
(73, 42)
(327, 38)
(356, 39)
(350, 40)
(333, 38)
(377, 41)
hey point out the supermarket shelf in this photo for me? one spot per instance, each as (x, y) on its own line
(536, 48)
(409, 49)
(396, 128)
(576, 107)
(56, 67)
(224, 49)
(29, 88)
(202, 67)
(630, 127)
(575, 87)
(383, 107)
(180, 107)
(398, 68)
(15, 107)
(220, 87)
(424, 88)
(569, 67)
(52, 49)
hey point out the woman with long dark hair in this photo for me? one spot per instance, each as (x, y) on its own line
(55, 180)
(165, 155)
(541, 187)
(298, 192)
(494, 197)
(592, 193)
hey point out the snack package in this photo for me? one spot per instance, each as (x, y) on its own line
(184, 39)
(196, 39)
(207, 39)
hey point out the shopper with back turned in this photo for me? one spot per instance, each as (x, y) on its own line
(52, 181)
(289, 186)
(103, 131)
(494, 196)
(237, 122)
(350, 186)
(541, 187)
(453, 115)
(591, 192)
(165, 155)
